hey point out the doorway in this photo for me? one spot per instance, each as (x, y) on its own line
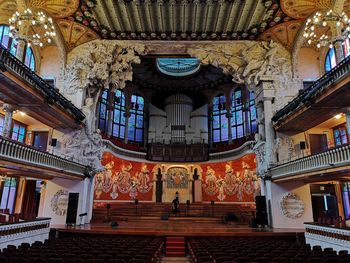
(40, 140)
(318, 143)
(324, 202)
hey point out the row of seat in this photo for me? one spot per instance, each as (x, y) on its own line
(94, 249)
(260, 250)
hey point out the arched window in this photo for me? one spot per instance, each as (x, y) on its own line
(252, 123)
(118, 127)
(135, 123)
(220, 121)
(7, 41)
(330, 60)
(102, 120)
(237, 119)
(29, 59)
(11, 44)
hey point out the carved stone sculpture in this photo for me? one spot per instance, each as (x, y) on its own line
(247, 61)
(94, 67)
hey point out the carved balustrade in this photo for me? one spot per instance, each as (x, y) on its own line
(327, 237)
(24, 232)
(9, 62)
(14, 151)
(307, 96)
(334, 158)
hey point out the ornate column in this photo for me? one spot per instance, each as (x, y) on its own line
(110, 113)
(339, 53)
(229, 116)
(8, 109)
(210, 120)
(127, 115)
(347, 118)
(84, 204)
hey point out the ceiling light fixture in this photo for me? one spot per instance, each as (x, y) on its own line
(338, 116)
(44, 30)
(315, 32)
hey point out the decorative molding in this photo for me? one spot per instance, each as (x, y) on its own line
(59, 202)
(292, 206)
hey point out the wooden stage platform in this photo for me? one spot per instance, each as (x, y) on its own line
(186, 227)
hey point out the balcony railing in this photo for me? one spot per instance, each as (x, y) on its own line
(306, 96)
(334, 158)
(24, 232)
(326, 236)
(10, 62)
(18, 152)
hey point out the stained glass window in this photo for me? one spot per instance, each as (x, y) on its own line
(29, 59)
(237, 119)
(252, 123)
(11, 44)
(118, 124)
(345, 187)
(102, 122)
(2, 123)
(135, 123)
(340, 136)
(8, 194)
(178, 67)
(18, 132)
(346, 47)
(220, 121)
(330, 60)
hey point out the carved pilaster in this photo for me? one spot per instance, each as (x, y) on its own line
(8, 109)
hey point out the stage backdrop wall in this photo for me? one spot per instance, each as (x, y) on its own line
(124, 180)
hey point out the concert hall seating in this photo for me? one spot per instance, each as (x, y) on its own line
(96, 249)
(259, 250)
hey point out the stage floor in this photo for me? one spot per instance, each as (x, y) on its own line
(176, 228)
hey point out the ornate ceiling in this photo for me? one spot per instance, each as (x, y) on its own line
(81, 21)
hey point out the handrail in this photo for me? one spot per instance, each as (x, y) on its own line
(307, 95)
(18, 151)
(332, 158)
(10, 62)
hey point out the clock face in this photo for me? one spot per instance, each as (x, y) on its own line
(178, 67)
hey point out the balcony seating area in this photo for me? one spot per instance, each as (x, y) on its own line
(260, 250)
(96, 249)
(127, 211)
(7, 217)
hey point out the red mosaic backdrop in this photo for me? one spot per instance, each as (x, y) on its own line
(124, 180)
(231, 181)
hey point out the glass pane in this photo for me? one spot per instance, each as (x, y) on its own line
(216, 122)
(224, 134)
(239, 117)
(115, 130)
(122, 132)
(234, 133)
(103, 109)
(240, 132)
(216, 136)
(139, 123)
(139, 135)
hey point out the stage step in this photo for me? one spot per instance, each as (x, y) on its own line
(175, 247)
(175, 260)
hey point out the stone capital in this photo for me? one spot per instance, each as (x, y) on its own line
(8, 108)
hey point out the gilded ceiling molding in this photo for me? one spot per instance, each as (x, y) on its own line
(91, 68)
(301, 9)
(56, 8)
(75, 34)
(7, 9)
(284, 33)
